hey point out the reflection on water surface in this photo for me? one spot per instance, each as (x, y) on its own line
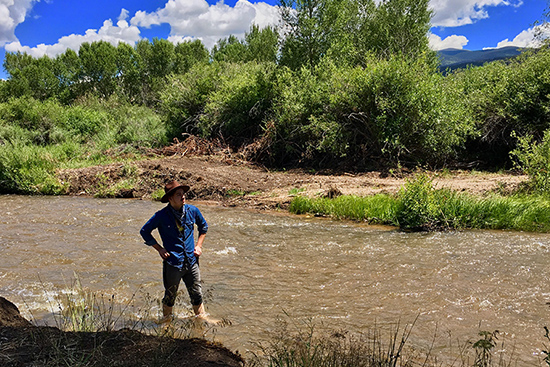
(258, 266)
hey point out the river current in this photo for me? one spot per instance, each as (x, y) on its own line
(259, 267)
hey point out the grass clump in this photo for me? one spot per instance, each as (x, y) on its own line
(307, 345)
(97, 330)
(31, 168)
(420, 206)
(304, 345)
(374, 209)
(82, 310)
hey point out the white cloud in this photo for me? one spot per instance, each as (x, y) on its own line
(124, 14)
(197, 19)
(179, 39)
(188, 19)
(526, 38)
(12, 13)
(454, 13)
(454, 41)
(114, 34)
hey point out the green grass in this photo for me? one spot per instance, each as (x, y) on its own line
(419, 206)
(296, 191)
(374, 209)
(39, 138)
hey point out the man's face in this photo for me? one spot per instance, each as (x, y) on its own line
(177, 199)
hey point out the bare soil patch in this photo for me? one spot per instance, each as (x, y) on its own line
(229, 181)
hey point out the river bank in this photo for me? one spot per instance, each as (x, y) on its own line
(233, 182)
(23, 344)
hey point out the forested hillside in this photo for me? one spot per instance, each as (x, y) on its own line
(343, 83)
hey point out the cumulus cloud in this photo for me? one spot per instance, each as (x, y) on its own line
(455, 13)
(12, 12)
(188, 19)
(527, 38)
(454, 41)
(196, 19)
(124, 14)
(114, 34)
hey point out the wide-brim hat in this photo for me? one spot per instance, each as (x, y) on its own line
(169, 189)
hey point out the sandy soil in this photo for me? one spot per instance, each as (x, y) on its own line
(234, 182)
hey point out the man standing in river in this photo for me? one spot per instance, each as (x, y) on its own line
(175, 224)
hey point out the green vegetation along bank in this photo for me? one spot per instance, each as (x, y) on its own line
(419, 206)
(352, 86)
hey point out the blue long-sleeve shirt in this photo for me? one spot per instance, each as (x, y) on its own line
(180, 244)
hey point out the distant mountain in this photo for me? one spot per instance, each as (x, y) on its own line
(455, 59)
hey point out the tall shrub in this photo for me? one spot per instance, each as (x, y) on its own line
(534, 159)
(396, 109)
(184, 98)
(237, 109)
(506, 96)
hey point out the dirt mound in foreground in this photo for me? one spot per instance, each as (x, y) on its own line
(22, 344)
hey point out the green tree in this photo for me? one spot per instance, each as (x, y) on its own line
(3, 91)
(160, 60)
(348, 30)
(398, 27)
(189, 54)
(14, 64)
(128, 72)
(41, 77)
(304, 40)
(543, 25)
(156, 63)
(68, 70)
(229, 49)
(31, 77)
(16, 61)
(262, 44)
(99, 67)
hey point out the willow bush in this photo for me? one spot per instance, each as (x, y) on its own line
(184, 98)
(534, 159)
(396, 109)
(503, 97)
(240, 105)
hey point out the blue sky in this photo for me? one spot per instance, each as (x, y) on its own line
(49, 27)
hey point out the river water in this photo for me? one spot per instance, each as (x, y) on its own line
(259, 267)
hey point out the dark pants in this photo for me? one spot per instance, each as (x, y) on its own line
(172, 276)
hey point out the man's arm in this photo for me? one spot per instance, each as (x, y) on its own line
(162, 251)
(146, 233)
(202, 227)
(198, 246)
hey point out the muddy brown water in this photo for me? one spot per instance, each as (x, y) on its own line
(258, 268)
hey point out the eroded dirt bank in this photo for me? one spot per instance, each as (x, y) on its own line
(238, 183)
(22, 344)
